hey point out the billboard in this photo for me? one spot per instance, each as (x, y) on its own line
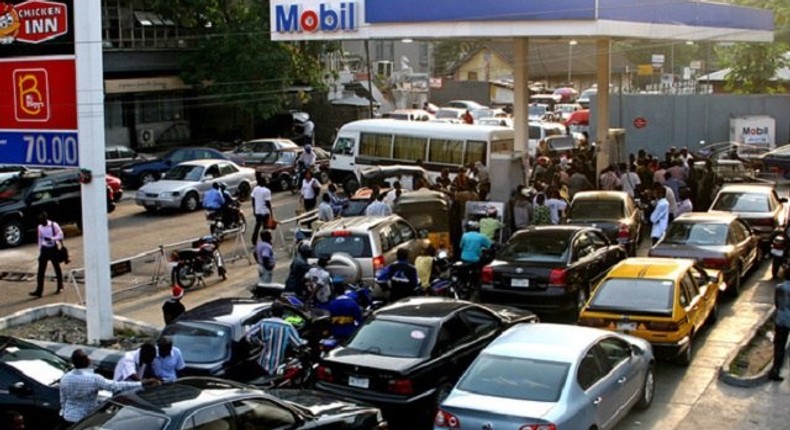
(38, 121)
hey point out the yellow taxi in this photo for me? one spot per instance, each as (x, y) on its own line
(664, 301)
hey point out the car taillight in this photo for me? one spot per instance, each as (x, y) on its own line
(487, 275)
(341, 233)
(445, 419)
(378, 262)
(545, 426)
(325, 374)
(662, 326)
(557, 277)
(624, 233)
(716, 263)
(400, 386)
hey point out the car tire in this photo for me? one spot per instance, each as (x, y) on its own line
(13, 234)
(190, 202)
(648, 390)
(323, 177)
(714, 314)
(283, 183)
(243, 192)
(776, 264)
(685, 358)
(735, 290)
(350, 185)
(147, 177)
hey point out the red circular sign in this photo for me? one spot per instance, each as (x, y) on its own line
(640, 122)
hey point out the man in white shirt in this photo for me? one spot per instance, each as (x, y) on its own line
(135, 365)
(393, 194)
(261, 207)
(660, 215)
(378, 207)
(630, 181)
(557, 206)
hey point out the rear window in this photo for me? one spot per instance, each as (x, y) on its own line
(540, 246)
(356, 245)
(200, 342)
(515, 378)
(392, 338)
(696, 234)
(652, 296)
(742, 202)
(596, 210)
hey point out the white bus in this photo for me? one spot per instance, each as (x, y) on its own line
(372, 142)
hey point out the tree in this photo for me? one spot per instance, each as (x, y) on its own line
(234, 61)
(448, 53)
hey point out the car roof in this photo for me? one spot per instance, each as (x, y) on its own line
(356, 223)
(422, 309)
(650, 268)
(205, 162)
(545, 341)
(708, 217)
(228, 310)
(185, 395)
(747, 188)
(272, 139)
(553, 228)
(600, 195)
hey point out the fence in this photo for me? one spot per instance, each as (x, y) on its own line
(288, 243)
(150, 268)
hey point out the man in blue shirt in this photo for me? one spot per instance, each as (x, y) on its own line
(473, 243)
(168, 361)
(274, 334)
(401, 275)
(345, 314)
(213, 199)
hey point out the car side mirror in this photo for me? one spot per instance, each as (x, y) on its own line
(20, 389)
(423, 233)
(636, 350)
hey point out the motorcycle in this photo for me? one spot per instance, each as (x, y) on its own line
(229, 217)
(296, 178)
(298, 371)
(780, 258)
(195, 263)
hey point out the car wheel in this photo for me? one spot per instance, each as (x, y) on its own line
(685, 358)
(714, 313)
(323, 177)
(147, 177)
(350, 185)
(190, 202)
(735, 290)
(283, 183)
(776, 263)
(244, 191)
(648, 390)
(13, 233)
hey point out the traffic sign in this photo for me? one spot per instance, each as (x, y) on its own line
(640, 122)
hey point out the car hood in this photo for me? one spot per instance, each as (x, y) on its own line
(318, 403)
(165, 185)
(144, 162)
(491, 405)
(354, 357)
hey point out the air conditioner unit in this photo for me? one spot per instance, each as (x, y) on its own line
(145, 138)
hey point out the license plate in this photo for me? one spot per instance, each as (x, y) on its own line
(354, 381)
(626, 326)
(519, 282)
(777, 252)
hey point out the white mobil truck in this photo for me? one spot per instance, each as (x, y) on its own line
(755, 134)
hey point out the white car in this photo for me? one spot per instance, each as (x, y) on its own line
(465, 105)
(184, 185)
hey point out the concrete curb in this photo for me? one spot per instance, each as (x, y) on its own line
(746, 381)
(28, 316)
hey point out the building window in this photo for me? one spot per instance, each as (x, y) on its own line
(160, 107)
(471, 76)
(424, 52)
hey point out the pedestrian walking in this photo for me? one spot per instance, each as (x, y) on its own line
(781, 326)
(261, 207)
(49, 237)
(310, 190)
(264, 255)
(660, 215)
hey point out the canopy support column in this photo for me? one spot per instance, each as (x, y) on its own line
(521, 99)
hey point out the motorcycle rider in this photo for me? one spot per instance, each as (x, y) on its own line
(401, 275)
(473, 243)
(231, 215)
(213, 200)
(299, 267)
(274, 334)
(306, 161)
(345, 314)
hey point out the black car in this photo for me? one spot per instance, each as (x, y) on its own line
(138, 173)
(549, 268)
(614, 212)
(211, 336)
(407, 356)
(29, 378)
(24, 195)
(200, 403)
(116, 156)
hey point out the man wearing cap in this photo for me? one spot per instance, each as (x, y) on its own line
(173, 307)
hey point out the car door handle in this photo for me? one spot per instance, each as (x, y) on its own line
(622, 380)
(597, 401)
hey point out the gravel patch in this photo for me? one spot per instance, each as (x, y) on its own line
(73, 331)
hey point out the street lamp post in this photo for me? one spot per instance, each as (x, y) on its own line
(571, 44)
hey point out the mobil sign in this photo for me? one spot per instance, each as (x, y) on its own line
(33, 21)
(315, 17)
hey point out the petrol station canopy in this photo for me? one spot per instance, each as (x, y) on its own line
(447, 19)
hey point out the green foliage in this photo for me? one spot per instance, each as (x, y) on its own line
(448, 53)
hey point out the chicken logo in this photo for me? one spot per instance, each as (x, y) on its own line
(9, 23)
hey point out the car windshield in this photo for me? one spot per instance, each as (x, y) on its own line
(391, 338)
(742, 202)
(547, 246)
(200, 342)
(39, 364)
(537, 110)
(286, 158)
(690, 233)
(356, 245)
(582, 210)
(634, 295)
(447, 113)
(11, 188)
(185, 172)
(515, 378)
(112, 416)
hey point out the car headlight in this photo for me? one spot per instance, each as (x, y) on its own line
(169, 194)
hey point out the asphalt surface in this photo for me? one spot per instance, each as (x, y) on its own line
(686, 398)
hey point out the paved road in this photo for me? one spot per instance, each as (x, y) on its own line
(686, 398)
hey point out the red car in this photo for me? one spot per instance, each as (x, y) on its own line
(114, 191)
(280, 166)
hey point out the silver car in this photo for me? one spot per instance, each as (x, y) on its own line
(254, 151)
(552, 376)
(184, 185)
